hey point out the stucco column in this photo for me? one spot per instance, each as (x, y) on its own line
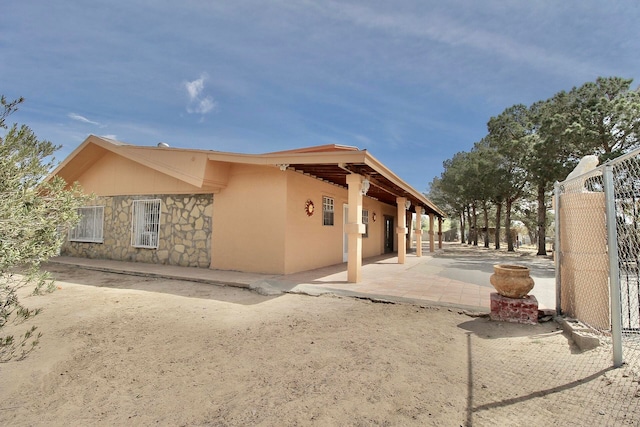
(418, 231)
(401, 230)
(354, 228)
(439, 233)
(431, 233)
(409, 240)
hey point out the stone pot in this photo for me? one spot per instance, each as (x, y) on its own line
(511, 281)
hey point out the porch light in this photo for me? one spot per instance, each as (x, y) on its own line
(407, 204)
(283, 167)
(365, 186)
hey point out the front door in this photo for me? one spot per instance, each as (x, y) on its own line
(345, 238)
(388, 234)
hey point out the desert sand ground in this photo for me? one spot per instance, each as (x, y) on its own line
(126, 350)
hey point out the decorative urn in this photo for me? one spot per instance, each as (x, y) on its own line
(511, 281)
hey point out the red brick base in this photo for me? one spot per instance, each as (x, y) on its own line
(517, 310)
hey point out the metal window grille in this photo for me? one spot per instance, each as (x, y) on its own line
(89, 228)
(327, 211)
(365, 221)
(145, 224)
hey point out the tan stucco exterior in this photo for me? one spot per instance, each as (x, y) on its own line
(249, 229)
(113, 175)
(257, 219)
(284, 239)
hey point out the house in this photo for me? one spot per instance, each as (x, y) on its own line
(274, 213)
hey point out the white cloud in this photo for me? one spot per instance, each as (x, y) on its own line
(443, 29)
(194, 88)
(79, 118)
(199, 103)
(202, 106)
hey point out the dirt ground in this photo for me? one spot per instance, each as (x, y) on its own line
(126, 350)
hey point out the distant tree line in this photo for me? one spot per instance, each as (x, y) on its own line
(510, 172)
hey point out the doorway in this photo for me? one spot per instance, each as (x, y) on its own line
(345, 236)
(388, 234)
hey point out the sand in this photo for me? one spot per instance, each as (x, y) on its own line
(126, 350)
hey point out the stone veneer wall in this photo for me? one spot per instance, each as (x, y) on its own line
(184, 237)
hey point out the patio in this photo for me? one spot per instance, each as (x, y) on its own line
(456, 276)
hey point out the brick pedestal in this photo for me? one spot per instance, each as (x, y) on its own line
(516, 310)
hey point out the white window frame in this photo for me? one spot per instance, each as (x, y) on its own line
(90, 227)
(328, 210)
(145, 223)
(365, 221)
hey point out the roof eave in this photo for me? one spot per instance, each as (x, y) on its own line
(375, 164)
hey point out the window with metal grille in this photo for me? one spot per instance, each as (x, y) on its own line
(89, 228)
(365, 221)
(145, 223)
(327, 211)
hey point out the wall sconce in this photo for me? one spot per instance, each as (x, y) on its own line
(365, 186)
(407, 204)
(283, 167)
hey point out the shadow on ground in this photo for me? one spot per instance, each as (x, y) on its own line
(477, 258)
(182, 288)
(535, 371)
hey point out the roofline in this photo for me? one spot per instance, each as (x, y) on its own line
(387, 173)
(333, 157)
(91, 139)
(346, 155)
(279, 158)
(318, 148)
(117, 147)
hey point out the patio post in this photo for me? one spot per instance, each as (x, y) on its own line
(439, 232)
(431, 233)
(418, 231)
(354, 228)
(401, 230)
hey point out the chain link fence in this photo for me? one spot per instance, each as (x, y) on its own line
(598, 257)
(626, 175)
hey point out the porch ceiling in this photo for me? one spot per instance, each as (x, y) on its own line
(381, 187)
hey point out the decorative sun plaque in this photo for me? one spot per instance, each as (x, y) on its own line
(309, 207)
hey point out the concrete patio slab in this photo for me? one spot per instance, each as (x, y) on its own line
(457, 276)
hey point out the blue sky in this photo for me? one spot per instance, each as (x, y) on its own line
(413, 82)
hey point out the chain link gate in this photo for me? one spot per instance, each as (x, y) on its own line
(625, 173)
(627, 203)
(599, 284)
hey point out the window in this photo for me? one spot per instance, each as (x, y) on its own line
(145, 223)
(365, 221)
(327, 211)
(89, 229)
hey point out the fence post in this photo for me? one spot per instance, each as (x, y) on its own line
(614, 273)
(556, 248)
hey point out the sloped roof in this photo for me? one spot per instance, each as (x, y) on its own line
(162, 159)
(318, 149)
(331, 163)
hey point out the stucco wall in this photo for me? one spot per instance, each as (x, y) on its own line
(250, 221)
(585, 261)
(261, 224)
(112, 175)
(309, 243)
(184, 235)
